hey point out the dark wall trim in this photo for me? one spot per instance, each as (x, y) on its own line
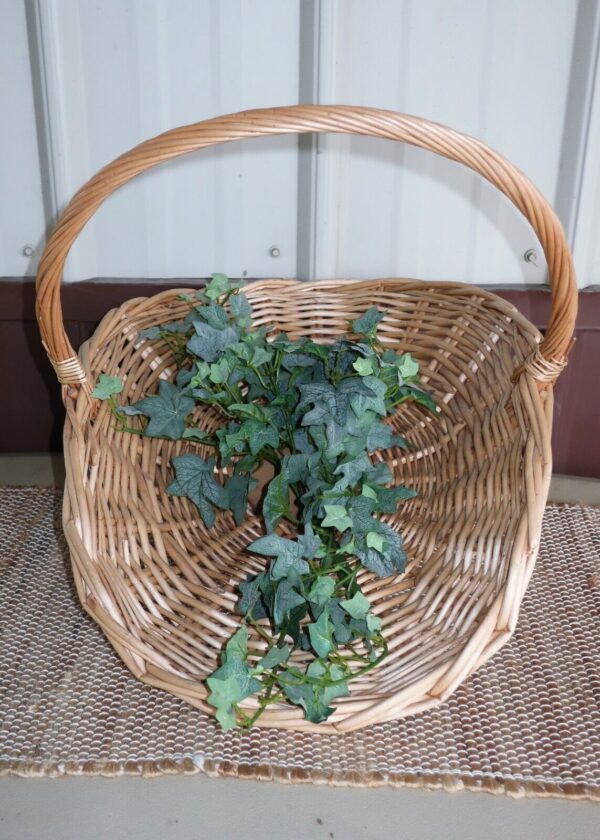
(31, 418)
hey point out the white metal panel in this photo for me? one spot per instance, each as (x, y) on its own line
(498, 71)
(21, 205)
(586, 240)
(120, 71)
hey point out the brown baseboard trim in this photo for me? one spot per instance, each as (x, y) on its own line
(33, 415)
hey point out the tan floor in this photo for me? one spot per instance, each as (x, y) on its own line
(190, 808)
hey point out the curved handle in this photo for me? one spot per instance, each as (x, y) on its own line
(546, 363)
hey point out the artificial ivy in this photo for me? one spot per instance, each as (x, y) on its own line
(316, 413)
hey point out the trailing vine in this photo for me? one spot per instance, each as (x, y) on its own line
(316, 413)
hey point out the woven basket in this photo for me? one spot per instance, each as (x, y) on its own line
(163, 587)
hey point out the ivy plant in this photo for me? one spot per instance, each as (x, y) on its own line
(316, 413)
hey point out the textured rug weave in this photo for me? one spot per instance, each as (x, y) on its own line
(527, 723)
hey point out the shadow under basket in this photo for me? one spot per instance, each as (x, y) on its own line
(164, 588)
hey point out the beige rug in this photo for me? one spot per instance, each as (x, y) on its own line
(527, 724)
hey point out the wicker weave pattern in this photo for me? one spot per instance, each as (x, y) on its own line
(163, 588)
(301, 119)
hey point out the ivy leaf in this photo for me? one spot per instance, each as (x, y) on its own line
(237, 488)
(364, 367)
(252, 411)
(281, 567)
(251, 602)
(241, 309)
(217, 286)
(373, 623)
(195, 479)
(357, 607)
(237, 646)
(209, 343)
(424, 398)
(273, 658)
(253, 432)
(291, 624)
(193, 433)
(387, 498)
(367, 323)
(391, 561)
(277, 502)
(260, 356)
(310, 544)
(320, 633)
(321, 590)
(381, 436)
(107, 386)
(151, 334)
(308, 696)
(275, 546)
(407, 366)
(373, 400)
(376, 541)
(167, 411)
(287, 598)
(215, 315)
(219, 371)
(224, 693)
(336, 517)
(352, 471)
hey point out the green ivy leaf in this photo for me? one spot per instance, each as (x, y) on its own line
(276, 656)
(281, 567)
(373, 623)
(320, 633)
(218, 286)
(367, 323)
(241, 309)
(364, 367)
(373, 400)
(251, 602)
(277, 502)
(195, 434)
(107, 386)
(195, 479)
(287, 598)
(321, 590)
(336, 517)
(219, 371)
(215, 315)
(275, 546)
(376, 541)
(237, 488)
(224, 693)
(208, 343)
(310, 544)
(167, 411)
(408, 367)
(358, 606)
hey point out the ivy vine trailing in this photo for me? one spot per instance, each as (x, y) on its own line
(315, 412)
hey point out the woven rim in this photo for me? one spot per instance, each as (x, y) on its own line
(545, 362)
(163, 588)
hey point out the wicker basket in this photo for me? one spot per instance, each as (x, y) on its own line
(163, 588)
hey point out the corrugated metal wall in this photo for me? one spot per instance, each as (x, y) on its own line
(103, 76)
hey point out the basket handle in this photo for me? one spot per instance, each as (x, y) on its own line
(545, 363)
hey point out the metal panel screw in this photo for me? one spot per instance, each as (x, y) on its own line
(530, 256)
(274, 251)
(28, 251)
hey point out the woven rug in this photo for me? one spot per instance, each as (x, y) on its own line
(527, 723)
